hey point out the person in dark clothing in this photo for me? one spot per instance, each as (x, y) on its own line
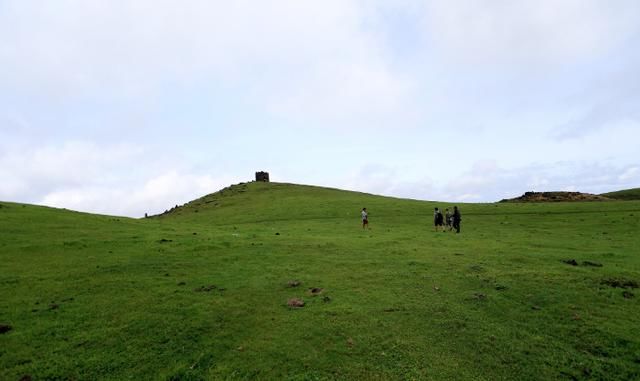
(438, 219)
(456, 219)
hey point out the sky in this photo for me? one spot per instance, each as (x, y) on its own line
(128, 107)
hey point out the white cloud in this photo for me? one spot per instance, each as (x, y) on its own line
(12, 123)
(154, 196)
(540, 32)
(467, 197)
(290, 58)
(586, 177)
(386, 180)
(338, 91)
(630, 174)
(113, 179)
(26, 172)
(538, 182)
(486, 181)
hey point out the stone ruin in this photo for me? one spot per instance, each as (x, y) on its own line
(262, 176)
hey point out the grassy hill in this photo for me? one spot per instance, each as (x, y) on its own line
(201, 292)
(627, 194)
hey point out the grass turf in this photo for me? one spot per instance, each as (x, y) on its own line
(627, 194)
(201, 292)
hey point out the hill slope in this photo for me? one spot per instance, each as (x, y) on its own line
(258, 201)
(201, 292)
(627, 194)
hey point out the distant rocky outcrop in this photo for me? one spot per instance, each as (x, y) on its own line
(556, 197)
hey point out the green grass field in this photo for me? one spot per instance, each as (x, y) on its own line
(627, 194)
(201, 292)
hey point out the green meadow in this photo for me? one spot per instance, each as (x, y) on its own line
(544, 291)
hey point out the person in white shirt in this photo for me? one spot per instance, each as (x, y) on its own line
(365, 218)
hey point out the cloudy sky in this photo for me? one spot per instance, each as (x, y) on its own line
(125, 107)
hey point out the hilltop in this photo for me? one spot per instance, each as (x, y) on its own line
(279, 281)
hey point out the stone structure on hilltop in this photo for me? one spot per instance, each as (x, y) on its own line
(262, 176)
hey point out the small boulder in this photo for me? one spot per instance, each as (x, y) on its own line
(295, 303)
(316, 291)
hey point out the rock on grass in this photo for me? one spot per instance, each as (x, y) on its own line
(315, 291)
(295, 303)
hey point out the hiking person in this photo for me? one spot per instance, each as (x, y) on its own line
(448, 219)
(456, 219)
(365, 218)
(437, 219)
